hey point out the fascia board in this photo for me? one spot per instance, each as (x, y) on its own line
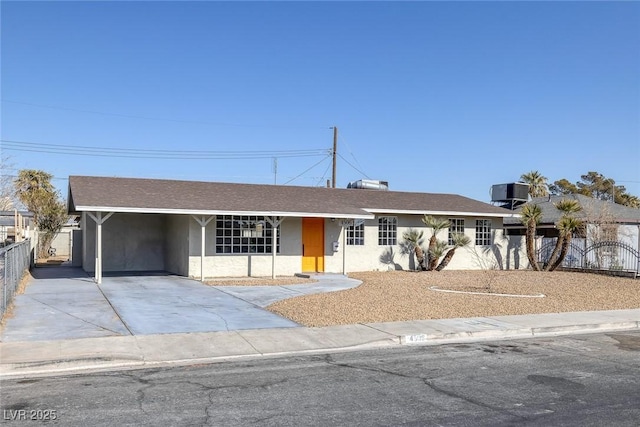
(440, 213)
(221, 212)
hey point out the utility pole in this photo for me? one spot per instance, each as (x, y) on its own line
(335, 152)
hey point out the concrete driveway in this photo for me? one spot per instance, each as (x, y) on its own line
(64, 303)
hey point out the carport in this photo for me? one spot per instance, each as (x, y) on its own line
(132, 224)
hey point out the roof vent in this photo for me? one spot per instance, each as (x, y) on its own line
(369, 184)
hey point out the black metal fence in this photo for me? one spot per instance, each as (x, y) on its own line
(15, 261)
(610, 257)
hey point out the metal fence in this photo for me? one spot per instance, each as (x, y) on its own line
(610, 257)
(14, 263)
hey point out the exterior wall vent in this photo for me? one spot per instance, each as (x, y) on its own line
(369, 184)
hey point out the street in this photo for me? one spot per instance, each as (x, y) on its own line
(581, 380)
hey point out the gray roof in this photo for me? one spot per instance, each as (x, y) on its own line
(591, 209)
(210, 198)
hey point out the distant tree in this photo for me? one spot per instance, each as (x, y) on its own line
(537, 183)
(459, 240)
(35, 191)
(563, 187)
(7, 191)
(597, 186)
(436, 224)
(530, 215)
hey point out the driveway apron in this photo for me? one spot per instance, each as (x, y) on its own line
(64, 302)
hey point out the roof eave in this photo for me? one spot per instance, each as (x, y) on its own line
(341, 215)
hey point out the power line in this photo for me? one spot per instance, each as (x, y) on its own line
(355, 168)
(154, 154)
(307, 170)
(131, 116)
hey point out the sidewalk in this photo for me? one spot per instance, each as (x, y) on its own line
(40, 358)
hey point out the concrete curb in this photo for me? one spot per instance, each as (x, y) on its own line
(50, 358)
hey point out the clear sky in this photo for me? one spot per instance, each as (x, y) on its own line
(443, 97)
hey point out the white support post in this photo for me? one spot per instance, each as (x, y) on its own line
(344, 251)
(203, 221)
(275, 223)
(99, 220)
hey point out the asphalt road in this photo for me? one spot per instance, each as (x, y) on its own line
(584, 380)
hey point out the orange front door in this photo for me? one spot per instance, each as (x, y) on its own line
(313, 244)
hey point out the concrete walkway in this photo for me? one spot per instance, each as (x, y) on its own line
(65, 303)
(116, 349)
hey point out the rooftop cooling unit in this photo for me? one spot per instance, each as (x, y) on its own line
(512, 194)
(369, 184)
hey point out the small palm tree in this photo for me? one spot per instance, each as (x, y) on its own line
(436, 252)
(415, 238)
(459, 240)
(567, 226)
(537, 183)
(531, 214)
(568, 207)
(436, 224)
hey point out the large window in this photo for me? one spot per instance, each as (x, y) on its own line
(355, 234)
(387, 230)
(483, 232)
(244, 235)
(456, 225)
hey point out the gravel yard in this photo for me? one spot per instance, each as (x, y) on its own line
(405, 295)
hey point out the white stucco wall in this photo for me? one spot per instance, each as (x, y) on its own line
(177, 244)
(130, 242)
(288, 260)
(505, 253)
(139, 242)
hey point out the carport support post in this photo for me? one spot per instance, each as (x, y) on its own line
(275, 223)
(203, 221)
(99, 220)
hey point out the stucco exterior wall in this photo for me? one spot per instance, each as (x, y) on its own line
(177, 244)
(288, 260)
(130, 242)
(505, 253)
(139, 242)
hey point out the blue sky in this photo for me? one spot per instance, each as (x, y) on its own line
(443, 97)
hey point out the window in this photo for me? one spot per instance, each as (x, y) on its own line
(483, 232)
(387, 230)
(244, 235)
(456, 225)
(355, 234)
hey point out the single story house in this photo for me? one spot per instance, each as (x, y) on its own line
(214, 229)
(605, 222)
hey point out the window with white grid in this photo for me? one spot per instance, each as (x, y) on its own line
(244, 235)
(483, 232)
(456, 225)
(355, 234)
(387, 230)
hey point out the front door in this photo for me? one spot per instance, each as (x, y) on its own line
(313, 244)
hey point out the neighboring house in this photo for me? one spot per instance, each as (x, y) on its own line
(211, 229)
(15, 226)
(604, 222)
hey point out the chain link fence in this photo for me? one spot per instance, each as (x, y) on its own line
(15, 261)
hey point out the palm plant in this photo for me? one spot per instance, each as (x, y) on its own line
(567, 226)
(436, 224)
(537, 183)
(568, 207)
(459, 240)
(531, 214)
(414, 238)
(436, 252)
